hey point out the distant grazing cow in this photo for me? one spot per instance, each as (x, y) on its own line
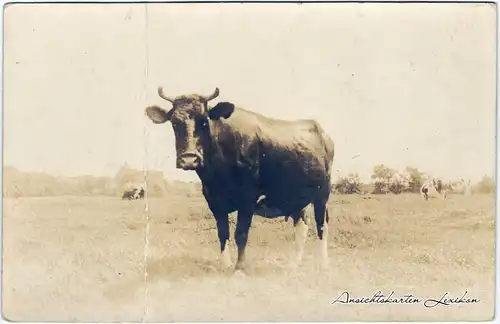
(467, 188)
(433, 188)
(129, 194)
(253, 164)
(139, 194)
(133, 194)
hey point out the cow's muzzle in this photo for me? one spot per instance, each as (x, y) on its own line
(188, 161)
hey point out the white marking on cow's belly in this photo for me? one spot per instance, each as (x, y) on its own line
(265, 211)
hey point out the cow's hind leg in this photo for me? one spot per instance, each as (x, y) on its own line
(222, 220)
(322, 219)
(300, 223)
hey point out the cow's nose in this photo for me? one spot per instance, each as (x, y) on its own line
(188, 161)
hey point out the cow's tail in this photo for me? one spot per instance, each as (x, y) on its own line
(329, 152)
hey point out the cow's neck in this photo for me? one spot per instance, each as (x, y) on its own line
(212, 167)
(219, 167)
(208, 170)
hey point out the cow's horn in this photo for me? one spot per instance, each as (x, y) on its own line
(161, 94)
(213, 95)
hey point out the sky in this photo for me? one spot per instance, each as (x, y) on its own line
(398, 84)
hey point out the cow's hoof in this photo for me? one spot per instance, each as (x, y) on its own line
(239, 273)
(240, 267)
(225, 260)
(226, 264)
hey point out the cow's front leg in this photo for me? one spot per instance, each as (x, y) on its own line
(243, 224)
(222, 220)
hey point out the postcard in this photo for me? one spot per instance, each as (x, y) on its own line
(269, 162)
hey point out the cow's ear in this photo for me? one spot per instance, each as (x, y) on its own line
(158, 115)
(222, 109)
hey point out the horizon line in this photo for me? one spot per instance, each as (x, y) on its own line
(336, 174)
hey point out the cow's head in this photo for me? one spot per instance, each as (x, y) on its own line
(190, 117)
(438, 184)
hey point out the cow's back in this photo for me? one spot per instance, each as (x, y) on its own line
(297, 163)
(247, 127)
(291, 159)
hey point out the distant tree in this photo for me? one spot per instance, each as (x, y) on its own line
(380, 186)
(381, 178)
(383, 172)
(416, 179)
(399, 183)
(486, 185)
(349, 185)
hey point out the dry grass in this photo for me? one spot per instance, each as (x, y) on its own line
(82, 258)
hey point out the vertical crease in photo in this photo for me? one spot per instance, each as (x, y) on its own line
(145, 169)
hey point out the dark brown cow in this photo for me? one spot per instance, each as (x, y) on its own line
(251, 164)
(129, 194)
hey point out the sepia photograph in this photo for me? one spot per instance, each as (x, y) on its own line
(258, 162)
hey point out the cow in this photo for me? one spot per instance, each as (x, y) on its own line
(129, 194)
(468, 188)
(139, 194)
(433, 188)
(252, 164)
(133, 194)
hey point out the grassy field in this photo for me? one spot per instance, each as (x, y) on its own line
(83, 258)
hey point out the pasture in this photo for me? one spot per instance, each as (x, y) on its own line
(83, 259)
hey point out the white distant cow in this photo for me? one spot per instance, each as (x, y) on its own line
(462, 187)
(467, 188)
(433, 188)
